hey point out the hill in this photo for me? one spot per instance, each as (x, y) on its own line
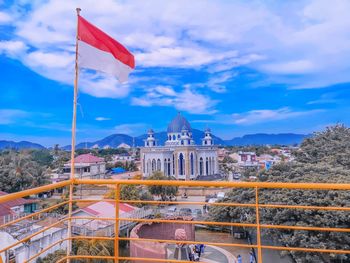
(251, 139)
(19, 145)
(264, 139)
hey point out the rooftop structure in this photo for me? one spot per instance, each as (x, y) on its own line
(86, 166)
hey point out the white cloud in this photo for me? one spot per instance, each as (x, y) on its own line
(130, 128)
(102, 119)
(5, 18)
(291, 67)
(9, 116)
(259, 116)
(302, 38)
(12, 48)
(185, 100)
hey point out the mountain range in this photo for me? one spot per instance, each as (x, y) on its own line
(115, 140)
(19, 145)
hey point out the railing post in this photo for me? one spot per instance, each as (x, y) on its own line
(69, 225)
(258, 234)
(116, 223)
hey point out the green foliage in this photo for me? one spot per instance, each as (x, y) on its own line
(42, 157)
(128, 166)
(131, 192)
(53, 257)
(93, 248)
(165, 192)
(330, 146)
(320, 159)
(18, 171)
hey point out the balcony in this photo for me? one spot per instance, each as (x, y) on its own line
(47, 233)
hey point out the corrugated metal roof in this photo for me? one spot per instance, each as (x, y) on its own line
(88, 158)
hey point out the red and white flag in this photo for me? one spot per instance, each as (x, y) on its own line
(100, 52)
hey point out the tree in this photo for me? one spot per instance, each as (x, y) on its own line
(131, 192)
(165, 192)
(18, 172)
(226, 166)
(321, 159)
(93, 247)
(128, 166)
(53, 257)
(42, 157)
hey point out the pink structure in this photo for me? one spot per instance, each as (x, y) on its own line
(148, 249)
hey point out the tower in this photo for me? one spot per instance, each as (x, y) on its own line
(150, 141)
(207, 140)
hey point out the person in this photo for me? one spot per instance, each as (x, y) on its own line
(191, 252)
(198, 250)
(251, 257)
(195, 254)
(201, 246)
(239, 259)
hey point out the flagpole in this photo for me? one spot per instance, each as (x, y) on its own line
(74, 123)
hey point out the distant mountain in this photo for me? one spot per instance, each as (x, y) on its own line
(264, 139)
(251, 139)
(19, 145)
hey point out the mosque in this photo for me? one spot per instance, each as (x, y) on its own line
(180, 157)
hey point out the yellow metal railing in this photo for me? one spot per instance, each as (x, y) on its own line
(258, 226)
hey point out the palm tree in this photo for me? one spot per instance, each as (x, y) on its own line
(95, 248)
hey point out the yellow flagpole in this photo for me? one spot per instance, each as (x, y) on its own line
(74, 124)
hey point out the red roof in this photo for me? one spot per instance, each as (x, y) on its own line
(16, 202)
(5, 210)
(107, 209)
(88, 158)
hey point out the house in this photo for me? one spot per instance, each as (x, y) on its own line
(246, 159)
(123, 157)
(103, 209)
(23, 251)
(86, 166)
(13, 209)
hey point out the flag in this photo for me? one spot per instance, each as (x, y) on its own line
(98, 51)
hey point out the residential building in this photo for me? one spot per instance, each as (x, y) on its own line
(86, 166)
(16, 208)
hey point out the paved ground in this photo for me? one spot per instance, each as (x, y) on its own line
(211, 255)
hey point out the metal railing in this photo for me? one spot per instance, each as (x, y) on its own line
(117, 219)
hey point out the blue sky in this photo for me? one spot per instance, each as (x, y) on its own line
(239, 67)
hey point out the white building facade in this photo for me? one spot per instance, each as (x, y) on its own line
(180, 157)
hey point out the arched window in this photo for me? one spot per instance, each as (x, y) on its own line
(153, 165)
(213, 165)
(174, 137)
(174, 163)
(201, 166)
(210, 166)
(181, 164)
(169, 137)
(149, 166)
(178, 136)
(191, 160)
(189, 142)
(159, 165)
(169, 166)
(206, 166)
(182, 142)
(166, 167)
(143, 164)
